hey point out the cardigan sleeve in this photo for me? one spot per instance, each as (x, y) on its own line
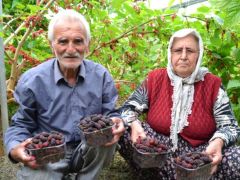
(136, 104)
(227, 126)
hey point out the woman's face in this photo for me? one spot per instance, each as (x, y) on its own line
(184, 55)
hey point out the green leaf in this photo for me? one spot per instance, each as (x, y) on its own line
(171, 2)
(218, 19)
(203, 9)
(117, 3)
(215, 39)
(236, 54)
(18, 4)
(31, 44)
(129, 9)
(231, 9)
(217, 56)
(233, 84)
(34, 8)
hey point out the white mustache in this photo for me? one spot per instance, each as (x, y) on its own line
(75, 55)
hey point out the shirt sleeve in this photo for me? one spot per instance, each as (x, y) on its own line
(227, 126)
(136, 104)
(23, 121)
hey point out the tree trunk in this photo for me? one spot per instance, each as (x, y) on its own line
(1, 139)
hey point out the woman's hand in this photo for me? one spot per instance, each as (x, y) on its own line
(19, 154)
(118, 130)
(214, 150)
(137, 131)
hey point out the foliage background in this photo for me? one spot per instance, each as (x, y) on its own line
(127, 37)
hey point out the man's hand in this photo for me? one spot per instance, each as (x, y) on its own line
(19, 154)
(118, 130)
(214, 150)
(137, 131)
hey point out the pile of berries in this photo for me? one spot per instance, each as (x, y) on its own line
(149, 145)
(193, 160)
(95, 122)
(45, 139)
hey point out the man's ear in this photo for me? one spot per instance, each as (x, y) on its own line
(88, 48)
(51, 46)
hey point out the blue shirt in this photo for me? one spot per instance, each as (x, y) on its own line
(47, 102)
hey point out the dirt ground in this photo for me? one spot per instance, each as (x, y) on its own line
(118, 170)
(7, 169)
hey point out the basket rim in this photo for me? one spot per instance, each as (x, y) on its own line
(151, 153)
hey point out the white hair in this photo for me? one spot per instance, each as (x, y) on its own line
(68, 14)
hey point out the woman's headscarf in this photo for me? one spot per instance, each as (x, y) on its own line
(183, 88)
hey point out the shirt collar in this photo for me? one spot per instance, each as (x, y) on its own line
(58, 75)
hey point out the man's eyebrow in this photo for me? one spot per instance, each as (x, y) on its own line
(61, 38)
(79, 38)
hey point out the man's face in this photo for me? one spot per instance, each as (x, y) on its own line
(69, 44)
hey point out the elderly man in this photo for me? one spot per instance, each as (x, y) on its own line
(56, 95)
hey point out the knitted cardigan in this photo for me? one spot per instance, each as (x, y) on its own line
(201, 121)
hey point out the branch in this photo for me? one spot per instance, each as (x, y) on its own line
(24, 23)
(14, 69)
(11, 100)
(10, 92)
(13, 34)
(8, 56)
(21, 65)
(125, 34)
(9, 22)
(195, 18)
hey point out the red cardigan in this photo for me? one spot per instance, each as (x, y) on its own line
(201, 121)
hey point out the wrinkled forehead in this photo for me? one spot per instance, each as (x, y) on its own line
(188, 40)
(70, 20)
(66, 24)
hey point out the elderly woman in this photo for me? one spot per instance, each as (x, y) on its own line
(187, 109)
